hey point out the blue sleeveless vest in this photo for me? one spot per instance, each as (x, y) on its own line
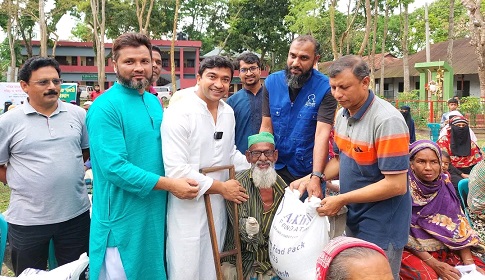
(294, 124)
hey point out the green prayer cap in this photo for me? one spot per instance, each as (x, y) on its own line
(260, 137)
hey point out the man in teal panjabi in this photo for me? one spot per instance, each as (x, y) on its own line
(130, 193)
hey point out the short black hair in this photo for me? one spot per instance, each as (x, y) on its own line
(248, 58)
(35, 63)
(157, 49)
(445, 154)
(311, 39)
(130, 39)
(452, 100)
(216, 61)
(355, 63)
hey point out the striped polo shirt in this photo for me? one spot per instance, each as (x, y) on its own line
(374, 142)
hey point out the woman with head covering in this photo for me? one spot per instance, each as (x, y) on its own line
(440, 237)
(406, 113)
(464, 152)
(351, 258)
(476, 198)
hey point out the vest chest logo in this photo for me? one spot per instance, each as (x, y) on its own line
(311, 101)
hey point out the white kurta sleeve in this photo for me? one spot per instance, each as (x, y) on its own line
(176, 149)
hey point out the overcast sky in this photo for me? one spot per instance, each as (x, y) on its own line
(67, 23)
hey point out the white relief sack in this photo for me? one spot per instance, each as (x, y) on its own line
(297, 237)
(469, 272)
(69, 271)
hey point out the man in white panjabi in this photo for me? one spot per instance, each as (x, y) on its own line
(198, 132)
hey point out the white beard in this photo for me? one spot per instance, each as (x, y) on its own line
(263, 178)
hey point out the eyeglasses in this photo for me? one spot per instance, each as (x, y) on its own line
(250, 69)
(45, 82)
(257, 154)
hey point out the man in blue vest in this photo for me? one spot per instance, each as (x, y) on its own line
(299, 110)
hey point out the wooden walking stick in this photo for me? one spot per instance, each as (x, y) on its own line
(212, 230)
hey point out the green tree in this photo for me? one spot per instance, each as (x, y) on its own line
(82, 32)
(305, 17)
(267, 35)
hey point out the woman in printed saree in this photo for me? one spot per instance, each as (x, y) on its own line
(440, 236)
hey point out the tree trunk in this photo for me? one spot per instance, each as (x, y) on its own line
(368, 15)
(172, 46)
(350, 22)
(11, 41)
(451, 35)
(405, 51)
(373, 50)
(383, 48)
(43, 29)
(481, 76)
(99, 34)
(55, 44)
(477, 33)
(140, 11)
(331, 10)
(21, 29)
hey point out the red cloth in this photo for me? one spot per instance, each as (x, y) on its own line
(413, 268)
(94, 94)
(460, 162)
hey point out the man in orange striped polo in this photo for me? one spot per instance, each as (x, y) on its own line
(372, 139)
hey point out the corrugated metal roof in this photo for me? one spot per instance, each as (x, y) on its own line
(464, 60)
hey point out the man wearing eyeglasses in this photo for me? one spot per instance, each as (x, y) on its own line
(247, 102)
(44, 144)
(265, 189)
(299, 110)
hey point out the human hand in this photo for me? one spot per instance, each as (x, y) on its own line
(233, 191)
(333, 187)
(444, 270)
(184, 188)
(252, 226)
(300, 185)
(480, 270)
(330, 206)
(314, 187)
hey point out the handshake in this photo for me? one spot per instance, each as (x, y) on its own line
(252, 226)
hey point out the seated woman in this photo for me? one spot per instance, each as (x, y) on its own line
(476, 198)
(464, 152)
(352, 258)
(440, 237)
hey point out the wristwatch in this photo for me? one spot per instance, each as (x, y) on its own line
(319, 175)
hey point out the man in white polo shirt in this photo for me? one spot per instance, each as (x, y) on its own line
(43, 146)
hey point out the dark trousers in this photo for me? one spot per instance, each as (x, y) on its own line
(30, 244)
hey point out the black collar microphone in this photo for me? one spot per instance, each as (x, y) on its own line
(218, 135)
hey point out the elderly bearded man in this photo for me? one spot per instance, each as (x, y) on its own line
(265, 189)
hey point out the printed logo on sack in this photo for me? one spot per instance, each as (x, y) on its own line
(311, 101)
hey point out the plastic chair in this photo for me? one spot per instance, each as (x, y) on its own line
(463, 194)
(434, 131)
(3, 237)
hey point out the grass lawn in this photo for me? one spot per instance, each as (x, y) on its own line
(4, 197)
